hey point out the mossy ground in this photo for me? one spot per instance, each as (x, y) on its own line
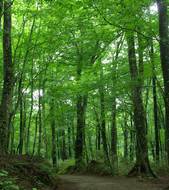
(26, 173)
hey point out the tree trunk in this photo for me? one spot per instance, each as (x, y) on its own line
(8, 77)
(35, 135)
(80, 135)
(125, 133)
(30, 113)
(40, 125)
(69, 140)
(103, 119)
(164, 49)
(1, 12)
(53, 128)
(98, 130)
(142, 166)
(63, 151)
(81, 105)
(155, 107)
(114, 137)
(21, 127)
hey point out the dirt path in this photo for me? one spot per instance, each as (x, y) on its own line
(74, 182)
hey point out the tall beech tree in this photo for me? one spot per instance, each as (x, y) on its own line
(8, 78)
(142, 166)
(164, 49)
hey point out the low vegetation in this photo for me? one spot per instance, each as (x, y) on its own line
(26, 173)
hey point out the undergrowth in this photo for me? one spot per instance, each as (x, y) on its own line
(101, 169)
(26, 173)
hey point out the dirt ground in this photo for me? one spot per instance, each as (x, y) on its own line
(77, 182)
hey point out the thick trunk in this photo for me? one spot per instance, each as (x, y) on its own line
(81, 105)
(164, 49)
(142, 166)
(8, 79)
(80, 135)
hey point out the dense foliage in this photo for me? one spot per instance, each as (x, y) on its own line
(86, 80)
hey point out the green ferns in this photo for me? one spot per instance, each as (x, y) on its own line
(7, 183)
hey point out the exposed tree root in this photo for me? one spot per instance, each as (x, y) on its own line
(142, 170)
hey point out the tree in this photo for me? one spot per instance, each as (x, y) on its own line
(142, 166)
(8, 79)
(164, 49)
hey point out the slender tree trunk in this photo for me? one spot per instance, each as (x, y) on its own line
(58, 145)
(53, 128)
(21, 127)
(12, 137)
(73, 136)
(125, 133)
(63, 151)
(8, 77)
(30, 113)
(114, 137)
(98, 131)
(1, 12)
(164, 49)
(69, 140)
(40, 125)
(35, 135)
(114, 108)
(155, 107)
(90, 146)
(103, 119)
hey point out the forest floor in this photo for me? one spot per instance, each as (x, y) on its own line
(26, 173)
(80, 182)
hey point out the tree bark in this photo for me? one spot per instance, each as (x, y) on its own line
(40, 123)
(81, 105)
(8, 78)
(103, 119)
(53, 129)
(63, 151)
(80, 135)
(114, 137)
(164, 49)
(142, 166)
(155, 107)
(1, 12)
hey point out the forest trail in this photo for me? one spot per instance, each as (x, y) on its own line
(77, 182)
